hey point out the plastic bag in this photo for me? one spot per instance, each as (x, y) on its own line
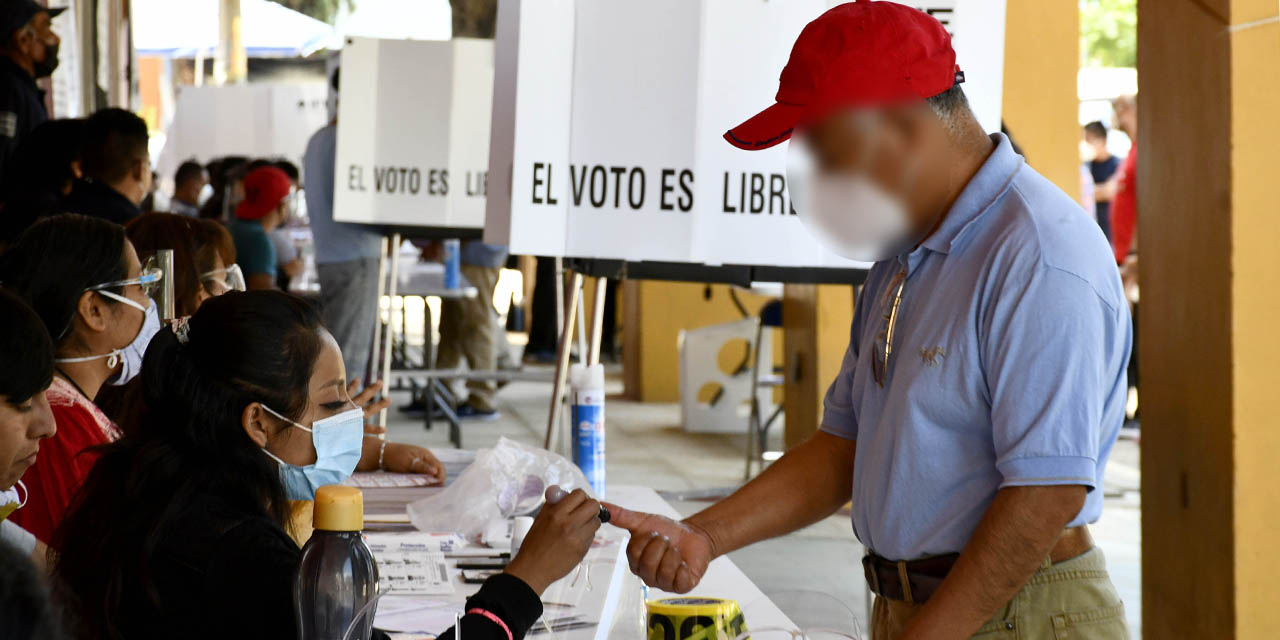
(506, 481)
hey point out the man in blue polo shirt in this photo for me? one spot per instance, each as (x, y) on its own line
(984, 382)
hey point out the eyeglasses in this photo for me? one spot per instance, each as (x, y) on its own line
(148, 280)
(220, 281)
(879, 366)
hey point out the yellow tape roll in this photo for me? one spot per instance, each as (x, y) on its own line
(695, 619)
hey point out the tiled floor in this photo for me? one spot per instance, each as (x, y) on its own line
(646, 446)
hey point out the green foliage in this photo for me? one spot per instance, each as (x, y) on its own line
(325, 10)
(1108, 33)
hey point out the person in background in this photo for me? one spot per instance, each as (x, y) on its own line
(226, 179)
(40, 175)
(1104, 170)
(983, 386)
(289, 264)
(83, 278)
(29, 53)
(468, 327)
(201, 541)
(25, 418)
(264, 208)
(116, 165)
(1124, 222)
(346, 255)
(217, 258)
(188, 181)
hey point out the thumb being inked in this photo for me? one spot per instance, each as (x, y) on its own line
(555, 494)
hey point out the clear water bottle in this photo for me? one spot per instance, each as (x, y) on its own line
(337, 576)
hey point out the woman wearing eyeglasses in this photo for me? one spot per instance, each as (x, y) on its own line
(83, 278)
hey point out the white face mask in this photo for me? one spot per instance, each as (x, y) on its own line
(131, 354)
(848, 212)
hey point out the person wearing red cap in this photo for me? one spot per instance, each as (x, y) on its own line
(984, 382)
(262, 210)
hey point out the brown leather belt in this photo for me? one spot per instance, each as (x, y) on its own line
(915, 581)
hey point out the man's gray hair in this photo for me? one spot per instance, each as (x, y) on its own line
(951, 106)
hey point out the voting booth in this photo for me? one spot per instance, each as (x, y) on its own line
(413, 132)
(611, 148)
(256, 120)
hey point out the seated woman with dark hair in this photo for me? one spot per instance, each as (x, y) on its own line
(26, 612)
(199, 274)
(83, 279)
(183, 524)
(25, 419)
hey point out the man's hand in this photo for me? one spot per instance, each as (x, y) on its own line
(1129, 278)
(669, 555)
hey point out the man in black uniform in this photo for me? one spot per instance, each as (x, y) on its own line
(28, 52)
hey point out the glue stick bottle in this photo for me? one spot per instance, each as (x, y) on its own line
(452, 258)
(587, 389)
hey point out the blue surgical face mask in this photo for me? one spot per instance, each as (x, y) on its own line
(131, 354)
(339, 441)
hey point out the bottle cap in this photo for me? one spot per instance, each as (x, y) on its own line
(339, 508)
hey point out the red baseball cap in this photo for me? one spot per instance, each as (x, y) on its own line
(264, 189)
(858, 54)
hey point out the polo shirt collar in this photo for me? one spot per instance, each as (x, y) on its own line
(991, 180)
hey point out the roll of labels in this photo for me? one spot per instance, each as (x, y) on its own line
(695, 619)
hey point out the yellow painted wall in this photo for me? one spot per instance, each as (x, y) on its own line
(1255, 227)
(1041, 59)
(663, 309)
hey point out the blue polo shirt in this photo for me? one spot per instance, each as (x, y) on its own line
(1007, 368)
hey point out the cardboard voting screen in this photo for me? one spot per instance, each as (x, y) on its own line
(254, 120)
(413, 132)
(614, 150)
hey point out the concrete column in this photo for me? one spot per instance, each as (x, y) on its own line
(1208, 185)
(231, 65)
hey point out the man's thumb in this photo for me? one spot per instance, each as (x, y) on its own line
(623, 518)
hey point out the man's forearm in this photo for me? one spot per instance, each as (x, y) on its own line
(804, 486)
(1012, 540)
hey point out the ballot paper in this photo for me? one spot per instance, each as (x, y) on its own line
(383, 480)
(414, 573)
(414, 563)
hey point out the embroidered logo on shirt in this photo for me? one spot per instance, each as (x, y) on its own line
(932, 356)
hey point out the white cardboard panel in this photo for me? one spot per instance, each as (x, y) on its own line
(413, 125)
(648, 104)
(634, 106)
(532, 97)
(470, 120)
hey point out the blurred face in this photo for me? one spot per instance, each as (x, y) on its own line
(1126, 117)
(22, 426)
(189, 191)
(866, 183)
(1098, 144)
(326, 396)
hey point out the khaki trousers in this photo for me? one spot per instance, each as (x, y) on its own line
(467, 331)
(1073, 599)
